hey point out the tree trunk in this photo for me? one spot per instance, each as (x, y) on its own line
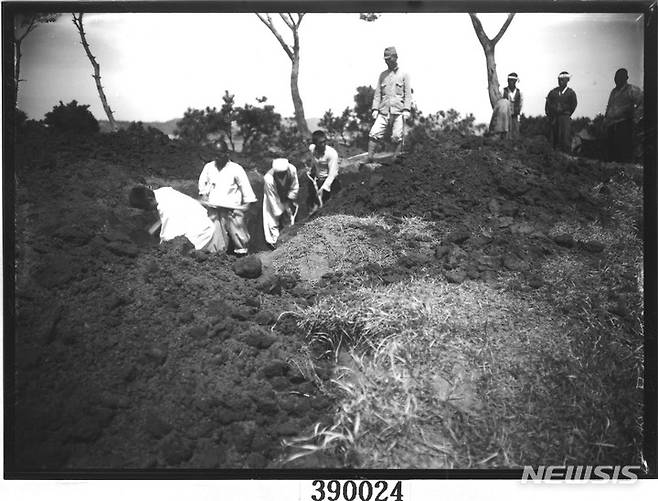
(489, 46)
(97, 71)
(27, 23)
(302, 126)
(492, 76)
(293, 54)
(17, 72)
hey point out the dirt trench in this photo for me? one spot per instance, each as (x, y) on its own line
(131, 354)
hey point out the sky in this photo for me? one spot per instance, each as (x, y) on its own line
(155, 66)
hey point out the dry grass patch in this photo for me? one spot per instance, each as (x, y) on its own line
(417, 228)
(436, 375)
(334, 243)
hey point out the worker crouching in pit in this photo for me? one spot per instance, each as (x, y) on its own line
(224, 189)
(180, 215)
(280, 190)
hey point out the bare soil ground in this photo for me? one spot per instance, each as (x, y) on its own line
(477, 305)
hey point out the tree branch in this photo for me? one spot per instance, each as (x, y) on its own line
(268, 22)
(503, 29)
(479, 30)
(30, 27)
(77, 21)
(83, 37)
(295, 42)
(288, 20)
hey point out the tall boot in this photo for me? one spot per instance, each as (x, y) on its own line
(371, 149)
(398, 151)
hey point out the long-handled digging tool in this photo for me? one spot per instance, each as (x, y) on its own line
(318, 197)
(293, 214)
(154, 227)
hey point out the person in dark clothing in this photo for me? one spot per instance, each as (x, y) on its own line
(624, 111)
(561, 102)
(513, 93)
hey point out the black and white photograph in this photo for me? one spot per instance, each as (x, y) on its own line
(328, 237)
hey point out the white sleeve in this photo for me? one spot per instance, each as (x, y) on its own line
(294, 188)
(333, 169)
(204, 181)
(248, 195)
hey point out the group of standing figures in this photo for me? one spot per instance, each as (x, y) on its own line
(216, 222)
(623, 113)
(391, 108)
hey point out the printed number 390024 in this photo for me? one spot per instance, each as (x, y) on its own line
(349, 490)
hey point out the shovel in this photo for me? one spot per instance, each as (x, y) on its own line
(293, 214)
(318, 198)
(154, 227)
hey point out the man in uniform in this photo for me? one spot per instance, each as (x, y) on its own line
(391, 105)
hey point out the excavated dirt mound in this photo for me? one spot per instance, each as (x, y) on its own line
(131, 354)
(494, 205)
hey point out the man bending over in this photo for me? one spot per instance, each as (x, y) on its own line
(180, 215)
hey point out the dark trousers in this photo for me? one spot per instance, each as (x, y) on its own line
(619, 142)
(514, 127)
(561, 133)
(312, 199)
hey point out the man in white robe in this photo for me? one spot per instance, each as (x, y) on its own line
(280, 190)
(180, 215)
(225, 190)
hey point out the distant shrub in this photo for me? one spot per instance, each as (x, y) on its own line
(203, 127)
(72, 117)
(588, 135)
(20, 118)
(137, 129)
(424, 128)
(258, 126)
(292, 145)
(533, 126)
(336, 126)
(449, 121)
(352, 126)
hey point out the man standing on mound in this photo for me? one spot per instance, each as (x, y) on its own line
(280, 189)
(513, 94)
(391, 105)
(622, 115)
(323, 175)
(501, 118)
(180, 215)
(561, 102)
(225, 190)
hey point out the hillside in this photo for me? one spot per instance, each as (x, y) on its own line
(478, 305)
(169, 126)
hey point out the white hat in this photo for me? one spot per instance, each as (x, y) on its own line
(280, 164)
(564, 74)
